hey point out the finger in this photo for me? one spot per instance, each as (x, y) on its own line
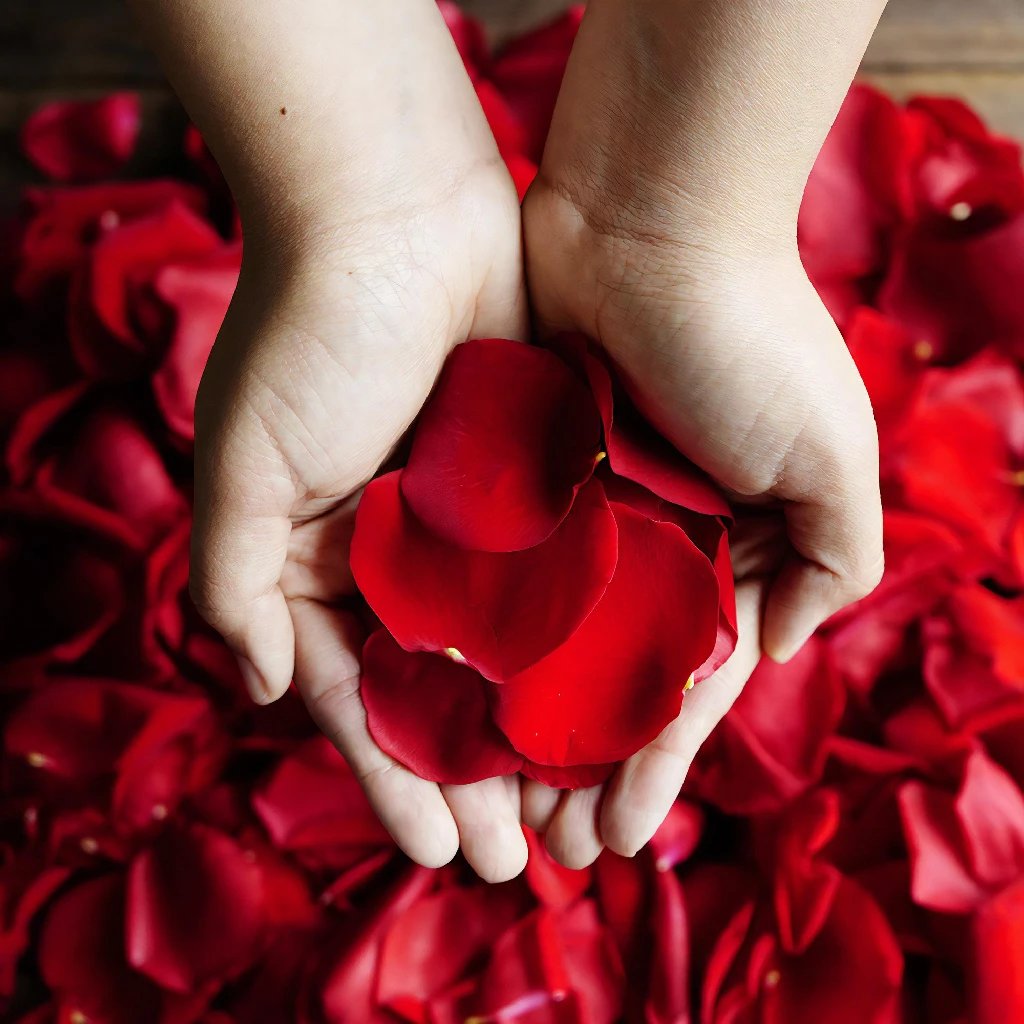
(838, 559)
(487, 816)
(642, 791)
(327, 675)
(318, 564)
(539, 803)
(239, 546)
(572, 837)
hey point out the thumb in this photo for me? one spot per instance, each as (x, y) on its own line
(243, 496)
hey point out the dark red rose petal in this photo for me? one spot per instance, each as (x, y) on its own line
(195, 910)
(431, 714)
(83, 140)
(108, 336)
(618, 681)
(198, 293)
(64, 223)
(501, 448)
(998, 951)
(82, 958)
(498, 610)
(850, 974)
(312, 806)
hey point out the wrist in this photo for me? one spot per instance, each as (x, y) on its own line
(373, 206)
(703, 110)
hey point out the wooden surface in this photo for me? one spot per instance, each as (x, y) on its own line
(48, 48)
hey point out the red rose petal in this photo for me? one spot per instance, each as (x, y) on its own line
(574, 776)
(429, 947)
(639, 453)
(198, 292)
(496, 609)
(991, 809)
(850, 974)
(83, 140)
(431, 714)
(313, 806)
(501, 448)
(998, 951)
(940, 875)
(618, 681)
(82, 958)
(710, 535)
(183, 943)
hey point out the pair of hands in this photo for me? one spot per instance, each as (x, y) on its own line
(644, 231)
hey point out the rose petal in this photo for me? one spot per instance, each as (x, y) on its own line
(498, 610)
(64, 222)
(709, 533)
(83, 140)
(991, 809)
(997, 953)
(940, 876)
(850, 974)
(313, 806)
(184, 943)
(431, 945)
(574, 776)
(618, 681)
(82, 957)
(639, 453)
(501, 448)
(198, 292)
(431, 714)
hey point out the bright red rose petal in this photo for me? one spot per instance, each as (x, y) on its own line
(83, 140)
(493, 608)
(639, 453)
(431, 714)
(502, 446)
(618, 681)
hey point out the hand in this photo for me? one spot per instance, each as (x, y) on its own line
(381, 229)
(330, 347)
(677, 252)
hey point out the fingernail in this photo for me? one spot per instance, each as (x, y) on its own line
(254, 682)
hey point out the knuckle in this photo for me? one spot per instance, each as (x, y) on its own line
(866, 575)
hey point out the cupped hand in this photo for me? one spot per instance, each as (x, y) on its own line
(649, 233)
(332, 343)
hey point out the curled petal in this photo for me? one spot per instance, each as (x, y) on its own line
(501, 611)
(501, 448)
(618, 681)
(183, 944)
(83, 140)
(639, 453)
(431, 714)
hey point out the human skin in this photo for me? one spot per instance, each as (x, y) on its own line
(381, 229)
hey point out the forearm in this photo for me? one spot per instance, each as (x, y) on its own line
(727, 101)
(312, 105)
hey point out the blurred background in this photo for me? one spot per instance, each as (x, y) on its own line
(973, 49)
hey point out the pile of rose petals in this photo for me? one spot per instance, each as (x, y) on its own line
(507, 494)
(850, 845)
